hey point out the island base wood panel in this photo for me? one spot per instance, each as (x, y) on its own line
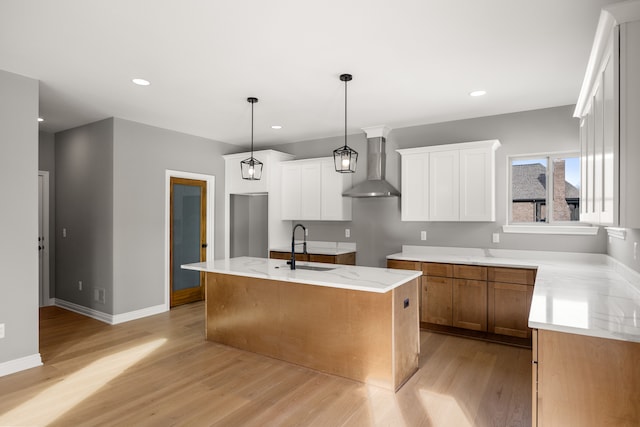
(365, 336)
(585, 381)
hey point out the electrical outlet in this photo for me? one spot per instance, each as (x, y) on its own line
(1, 330)
(495, 238)
(635, 250)
(347, 232)
(423, 235)
(306, 232)
(79, 285)
(99, 295)
(64, 232)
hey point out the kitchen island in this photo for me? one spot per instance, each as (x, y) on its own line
(356, 322)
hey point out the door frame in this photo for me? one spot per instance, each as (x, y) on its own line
(210, 180)
(43, 203)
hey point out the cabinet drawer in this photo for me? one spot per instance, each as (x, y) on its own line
(471, 272)
(403, 265)
(287, 256)
(329, 259)
(521, 276)
(436, 269)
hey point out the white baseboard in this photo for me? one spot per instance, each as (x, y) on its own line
(111, 319)
(21, 364)
(138, 314)
(86, 311)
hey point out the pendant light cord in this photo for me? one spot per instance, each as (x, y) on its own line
(252, 130)
(345, 113)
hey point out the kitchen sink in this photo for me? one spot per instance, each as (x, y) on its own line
(313, 268)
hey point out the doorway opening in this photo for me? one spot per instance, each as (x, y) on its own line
(44, 241)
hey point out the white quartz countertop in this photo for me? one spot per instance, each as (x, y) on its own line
(368, 279)
(584, 294)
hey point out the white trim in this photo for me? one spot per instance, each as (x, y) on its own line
(46, 280)
(138, 314)
(111, 319)
(85, 311)
(618, 233)
(580, 230)
(211, 191)
(20, 364)
(493, 143)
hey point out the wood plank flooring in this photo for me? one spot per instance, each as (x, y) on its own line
(160, 371)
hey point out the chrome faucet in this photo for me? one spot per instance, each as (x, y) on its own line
(293, 244)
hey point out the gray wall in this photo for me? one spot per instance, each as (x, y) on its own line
(18, 216)
(47, 162)
(142, 154)
(376, 227)
(622, 250)
(84, 207)
(110, 189)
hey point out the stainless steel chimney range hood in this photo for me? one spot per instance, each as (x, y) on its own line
(375, 185)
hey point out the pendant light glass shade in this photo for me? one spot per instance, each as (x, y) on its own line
(251, 168)
(345, 158)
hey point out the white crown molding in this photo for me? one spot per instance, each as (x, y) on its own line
(618, 233)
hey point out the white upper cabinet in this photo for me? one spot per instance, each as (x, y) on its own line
(608, 108)
(334, 206)
(453, 182)
(444, 185)
(477, 184)
(312, 190)
(415, 197)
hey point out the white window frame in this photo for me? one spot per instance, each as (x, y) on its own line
(550, 226)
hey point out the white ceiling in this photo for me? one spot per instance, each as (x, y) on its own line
(413, 61)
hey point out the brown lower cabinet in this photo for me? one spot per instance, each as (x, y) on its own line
(346, 259)
(480, 301)
(584, 381)
(470, 304)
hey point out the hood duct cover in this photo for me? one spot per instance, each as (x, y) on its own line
(375, 185)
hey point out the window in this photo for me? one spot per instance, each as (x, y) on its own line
(545, 189)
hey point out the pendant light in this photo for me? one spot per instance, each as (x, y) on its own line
(251, 168)
(345, 158)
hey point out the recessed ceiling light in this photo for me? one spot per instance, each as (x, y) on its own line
(40, 119)
(141, 82)
(478, 93)
(276, 127)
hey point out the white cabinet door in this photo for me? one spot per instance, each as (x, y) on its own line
(444, 185)
(334, 206)
(415, 187)
(310, 188)
(608, 212)
(291, 190)
(477, 181)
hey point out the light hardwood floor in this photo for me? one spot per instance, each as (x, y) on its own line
(160, 371)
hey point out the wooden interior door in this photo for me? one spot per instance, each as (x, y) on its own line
(188, 235)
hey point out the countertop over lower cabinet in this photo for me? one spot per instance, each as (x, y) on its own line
(357, 278)
(584, 294)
